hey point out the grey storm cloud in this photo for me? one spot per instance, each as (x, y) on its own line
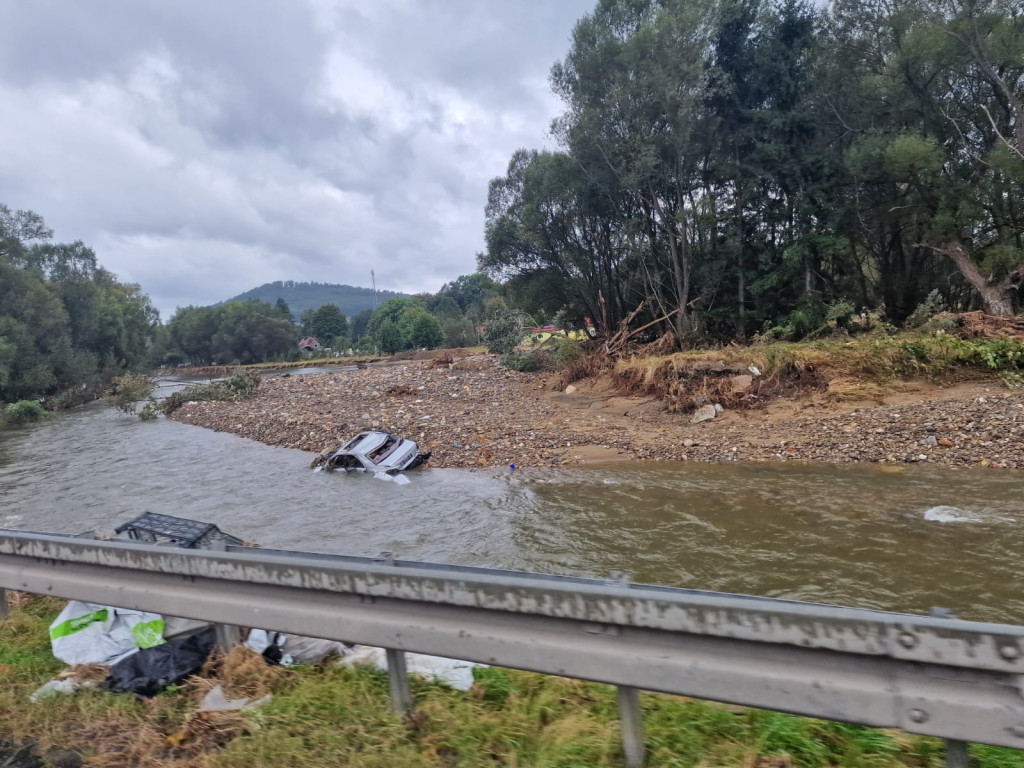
(203, 148)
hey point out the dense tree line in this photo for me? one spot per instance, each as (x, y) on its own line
(449, 318)
(242, 332)
(742, 165)
(67, 326)
(250, 331)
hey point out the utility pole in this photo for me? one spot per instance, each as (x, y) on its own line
(373, 281)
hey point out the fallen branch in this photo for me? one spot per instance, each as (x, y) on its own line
(642, 328)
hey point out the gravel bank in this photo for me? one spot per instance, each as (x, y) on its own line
(477, 414)
(471, 415)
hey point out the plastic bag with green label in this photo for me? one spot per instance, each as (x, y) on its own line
(86, 633)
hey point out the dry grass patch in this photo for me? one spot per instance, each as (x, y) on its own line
(242, 673)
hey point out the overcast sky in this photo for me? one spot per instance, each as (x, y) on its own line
(203, 147)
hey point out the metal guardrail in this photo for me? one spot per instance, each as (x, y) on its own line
(958, 680)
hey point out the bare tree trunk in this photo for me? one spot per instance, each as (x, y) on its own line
(681, 282)
(995, 297)
(741, 288)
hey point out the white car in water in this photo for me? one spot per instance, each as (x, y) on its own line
(373, 452)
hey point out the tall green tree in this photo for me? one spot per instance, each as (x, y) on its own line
(421, 330)
(325, 323)
(389, 337)
(65, 321)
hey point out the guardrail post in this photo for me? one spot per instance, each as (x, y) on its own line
(632, 725)
(228, 637)
(398, 680)
(956, 754)
(4, 608)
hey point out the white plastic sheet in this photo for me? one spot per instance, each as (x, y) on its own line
(86, 633)
(296, 649)
(457, 674)
(216, 701)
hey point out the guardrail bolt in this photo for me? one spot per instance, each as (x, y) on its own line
(1010, 652)
(918, 716)
(907, 640)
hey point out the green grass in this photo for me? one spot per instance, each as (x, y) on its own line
(338, 716)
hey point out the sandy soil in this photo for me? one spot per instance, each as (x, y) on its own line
(476, 413)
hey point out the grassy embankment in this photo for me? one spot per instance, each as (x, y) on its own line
(862, 369)
(330, 716)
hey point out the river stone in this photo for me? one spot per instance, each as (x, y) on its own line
(571, 389)
(741, 383)
(704, 413)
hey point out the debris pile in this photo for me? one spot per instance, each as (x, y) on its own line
(476, 415)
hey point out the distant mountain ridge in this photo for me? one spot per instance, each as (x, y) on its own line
(350, 299)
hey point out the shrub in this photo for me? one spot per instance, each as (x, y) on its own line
(566, 351)
(24, 412)
(149, 411)
(840, 313)
(504, 330)
(128, 390)
(528, 362)
(809, 316)
(237, 387)
(243, 383)
(926, 310)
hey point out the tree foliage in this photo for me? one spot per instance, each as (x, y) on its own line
(400, 324)
(326, 324)
(65, 322)
(734, 162)
(237, 332)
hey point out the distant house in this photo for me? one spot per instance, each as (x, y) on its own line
(309, 344)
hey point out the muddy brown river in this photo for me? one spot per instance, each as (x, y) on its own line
(862, 536)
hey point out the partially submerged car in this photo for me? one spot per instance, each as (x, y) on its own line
(373, 452)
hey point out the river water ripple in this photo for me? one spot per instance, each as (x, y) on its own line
(854, 535)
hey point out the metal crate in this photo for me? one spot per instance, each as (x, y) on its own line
(182, 532)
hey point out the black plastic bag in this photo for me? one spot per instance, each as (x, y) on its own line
(152, 669)
(275, 651)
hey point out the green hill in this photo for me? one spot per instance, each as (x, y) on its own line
(302, 296)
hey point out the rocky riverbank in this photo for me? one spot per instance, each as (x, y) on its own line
(474, 413)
